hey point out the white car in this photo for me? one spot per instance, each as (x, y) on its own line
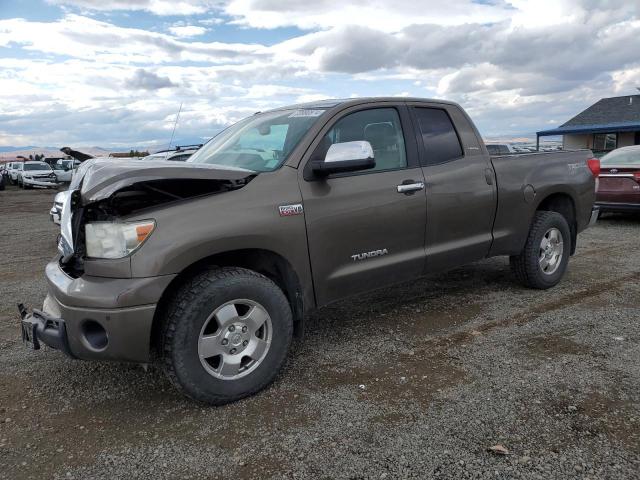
(180, 154)
(13, 169)
(64, 170)
(36, 174)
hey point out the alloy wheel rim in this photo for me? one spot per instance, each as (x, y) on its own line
(235, 339)
(551, 251)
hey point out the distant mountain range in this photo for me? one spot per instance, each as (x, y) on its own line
(11, 152)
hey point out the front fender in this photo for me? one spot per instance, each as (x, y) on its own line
(248, 218)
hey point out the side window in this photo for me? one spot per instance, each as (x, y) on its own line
(440, 139)
(380, 127)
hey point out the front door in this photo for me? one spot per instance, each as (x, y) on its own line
(365, 229)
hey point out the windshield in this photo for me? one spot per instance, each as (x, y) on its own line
(36, 166)
(62, 165)
(622, 157)
(261, 142)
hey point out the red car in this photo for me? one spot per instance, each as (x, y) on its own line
(619, 181)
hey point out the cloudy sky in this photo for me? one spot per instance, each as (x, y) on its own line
(114, 72)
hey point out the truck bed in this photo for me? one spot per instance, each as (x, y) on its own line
(525, 179)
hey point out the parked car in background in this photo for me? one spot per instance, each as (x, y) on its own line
(178, 154)
(13, 170)
(2, 178)
(36, 174)
(64, 170)
(4, 173)
(619, 180)
(500, 149)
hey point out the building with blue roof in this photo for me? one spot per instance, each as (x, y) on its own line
(606, 125)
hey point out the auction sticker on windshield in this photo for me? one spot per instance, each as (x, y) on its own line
(306, 113)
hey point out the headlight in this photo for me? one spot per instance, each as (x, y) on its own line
(116, 240)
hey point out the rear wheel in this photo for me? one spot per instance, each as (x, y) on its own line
(226, 335)
(543, 261)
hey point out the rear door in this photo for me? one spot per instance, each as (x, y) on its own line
(460, 187)
(362, 232)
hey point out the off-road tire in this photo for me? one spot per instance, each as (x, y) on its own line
(190, 307)
(526, 267)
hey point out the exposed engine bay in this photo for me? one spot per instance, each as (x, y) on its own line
(107, 194)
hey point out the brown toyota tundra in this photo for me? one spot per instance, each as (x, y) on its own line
(210, 266)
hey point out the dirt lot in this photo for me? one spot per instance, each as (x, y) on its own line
(411, 382)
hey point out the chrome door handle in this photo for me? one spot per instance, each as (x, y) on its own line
(410, 187)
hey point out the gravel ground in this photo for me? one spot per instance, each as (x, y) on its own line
(417, 381)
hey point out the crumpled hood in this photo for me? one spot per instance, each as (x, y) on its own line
(101, 178)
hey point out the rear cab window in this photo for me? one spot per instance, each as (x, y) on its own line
(439, 136)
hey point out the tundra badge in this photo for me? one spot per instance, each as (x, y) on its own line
(289, 210)
(365, 255)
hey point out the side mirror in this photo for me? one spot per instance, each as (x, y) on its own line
(345, 157)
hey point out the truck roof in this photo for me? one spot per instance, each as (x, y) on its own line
(334, 102)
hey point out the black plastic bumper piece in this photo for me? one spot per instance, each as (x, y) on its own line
(39, 327)
(613, 207)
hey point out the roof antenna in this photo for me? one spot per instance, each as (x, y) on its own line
(175, 125)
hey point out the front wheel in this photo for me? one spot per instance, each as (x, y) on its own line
(226, 335)
(543, 261)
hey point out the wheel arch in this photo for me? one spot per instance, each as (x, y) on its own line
(564, 204)
(266, 262)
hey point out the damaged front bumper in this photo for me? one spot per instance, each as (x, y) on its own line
(38, 326)
(30, 182)
(95, 318)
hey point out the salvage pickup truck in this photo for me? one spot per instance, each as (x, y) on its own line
(209, 266)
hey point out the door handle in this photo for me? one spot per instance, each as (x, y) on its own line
(410, 186)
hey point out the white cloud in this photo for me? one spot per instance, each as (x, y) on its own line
(211, 21)
(385, 15)
(514, 64)
(265, 91)
(82, 37)
(158, 7)
(187, 31)
(145, 80)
